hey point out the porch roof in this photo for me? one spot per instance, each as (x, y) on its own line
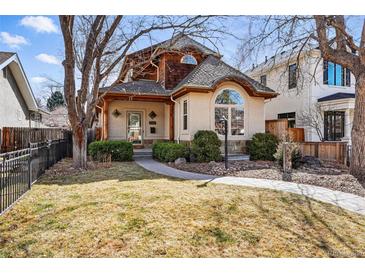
(337, 96)
(140, 87)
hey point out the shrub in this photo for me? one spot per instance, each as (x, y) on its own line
(206, 146)
(262, 147)
(168, 152)
(118, 150)
(296, 155)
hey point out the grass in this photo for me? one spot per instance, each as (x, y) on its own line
(126, 211)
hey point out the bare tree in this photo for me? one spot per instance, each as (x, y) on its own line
(313, 118)
(337, 44)
(94, 48)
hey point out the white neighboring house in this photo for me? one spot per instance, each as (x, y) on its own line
(306, 86)
(18, 107)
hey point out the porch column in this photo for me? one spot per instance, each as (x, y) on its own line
(172, 121)
(105, 119)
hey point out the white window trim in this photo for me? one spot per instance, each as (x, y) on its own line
(229, 107)
(183, 115)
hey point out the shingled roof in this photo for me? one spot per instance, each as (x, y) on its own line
(5, 56)
(178, 42)
(211, 71)
(337, 96)
(142, 87)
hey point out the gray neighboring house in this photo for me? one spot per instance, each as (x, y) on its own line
(18, 107)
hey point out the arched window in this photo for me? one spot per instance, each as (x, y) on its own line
(189, 59)
(229, 105)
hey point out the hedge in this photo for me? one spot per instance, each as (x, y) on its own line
(206, 146)
(262, 147)
(119, 150)
(169, 152)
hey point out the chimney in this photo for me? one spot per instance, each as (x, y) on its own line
(265, 59)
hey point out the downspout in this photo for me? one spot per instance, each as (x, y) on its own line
(178, 119)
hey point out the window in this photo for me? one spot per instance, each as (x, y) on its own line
(292, 76)
(185, 115)
(189, 59)
(229, 105)
(263, 80)
(334, 125)
(335, 74)
(290, 116)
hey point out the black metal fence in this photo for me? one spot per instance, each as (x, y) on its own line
(20, 169)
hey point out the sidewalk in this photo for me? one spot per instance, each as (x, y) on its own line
(341, 199)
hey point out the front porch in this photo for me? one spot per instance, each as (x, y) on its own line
(141, 120)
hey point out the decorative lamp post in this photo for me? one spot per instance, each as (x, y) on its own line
(224, 120)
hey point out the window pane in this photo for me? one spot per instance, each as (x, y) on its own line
(338, 75)
(185, 107)
(230, 97)
(220, 112)
(331, 73)
(292, 76)
(263, 80)
(189, 59)
(237, 121)
(185, 122)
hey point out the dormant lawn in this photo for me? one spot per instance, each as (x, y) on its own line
(125, 211)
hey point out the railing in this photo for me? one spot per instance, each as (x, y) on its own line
(20, 169)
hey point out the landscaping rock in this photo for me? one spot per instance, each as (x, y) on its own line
(180, 161)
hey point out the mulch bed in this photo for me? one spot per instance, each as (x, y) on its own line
(327, 174)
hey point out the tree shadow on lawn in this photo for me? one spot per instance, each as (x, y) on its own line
(313, 227)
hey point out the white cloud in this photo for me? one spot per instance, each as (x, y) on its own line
(49, 59)
(39, 23)
(39, 79)
(13, 41)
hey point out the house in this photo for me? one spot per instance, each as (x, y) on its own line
(315, 94)
(18, 107)
(172, 89)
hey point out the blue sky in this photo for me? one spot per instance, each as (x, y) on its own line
(38, 42)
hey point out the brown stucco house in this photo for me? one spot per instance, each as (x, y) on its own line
(171, 90)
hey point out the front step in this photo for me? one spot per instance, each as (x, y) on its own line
(142, 153)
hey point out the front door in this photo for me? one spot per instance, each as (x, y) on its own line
(134, 127)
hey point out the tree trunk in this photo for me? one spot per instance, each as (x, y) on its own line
(357, 167)
(79, 149)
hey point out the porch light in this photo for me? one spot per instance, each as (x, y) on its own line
(116, 113)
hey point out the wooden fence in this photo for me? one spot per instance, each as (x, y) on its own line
(329, 151)
(14, 138)
(280, 127)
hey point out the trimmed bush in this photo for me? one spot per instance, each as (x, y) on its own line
(206, 146)
(262, 147)
(118, 150)
(168, 152)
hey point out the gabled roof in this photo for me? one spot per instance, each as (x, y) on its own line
(178, 42)
(11, 60)
(142, 87)
(337, 96)
(212, 71)
(4, 56)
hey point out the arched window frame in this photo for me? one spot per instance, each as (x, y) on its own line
(185, 59)
(231, 111)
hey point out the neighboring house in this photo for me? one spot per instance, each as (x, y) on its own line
(18, 107)
(310, 90)
(57, 118)
(171, 90)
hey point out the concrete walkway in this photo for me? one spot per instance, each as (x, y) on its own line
(344, 200)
